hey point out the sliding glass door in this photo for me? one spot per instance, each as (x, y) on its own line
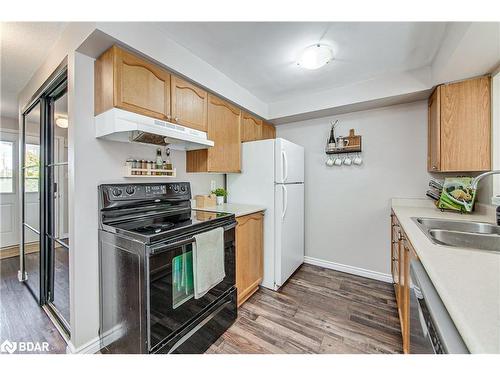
(44, 251)
(57, 206)
(31, 256)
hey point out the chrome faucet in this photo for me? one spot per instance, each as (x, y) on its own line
(475, 182)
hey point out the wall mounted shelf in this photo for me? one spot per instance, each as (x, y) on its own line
(353, 146)
(151, 173)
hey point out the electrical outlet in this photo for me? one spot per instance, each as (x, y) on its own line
(212, 185)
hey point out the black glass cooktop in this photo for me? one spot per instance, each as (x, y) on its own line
(154, 228)
(170, 224)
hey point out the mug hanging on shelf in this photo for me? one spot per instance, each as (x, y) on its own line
(357, 160)
(347, 160)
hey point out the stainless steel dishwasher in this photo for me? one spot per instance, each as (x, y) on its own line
(432, 330)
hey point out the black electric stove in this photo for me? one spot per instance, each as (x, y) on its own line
(153, 212)
(146, 239)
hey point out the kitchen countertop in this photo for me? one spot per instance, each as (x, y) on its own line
(468, 281)
(232, 208)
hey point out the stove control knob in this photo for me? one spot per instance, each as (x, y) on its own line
(130, 190)
(183, 188)
(117, 192)
(176, 188)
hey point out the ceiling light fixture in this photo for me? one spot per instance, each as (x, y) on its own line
(62, 122)
(315, 56)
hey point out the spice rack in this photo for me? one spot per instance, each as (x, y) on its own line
(148, 172)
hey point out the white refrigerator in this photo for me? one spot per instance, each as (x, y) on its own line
(272, 176)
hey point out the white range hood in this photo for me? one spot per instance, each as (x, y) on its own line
(124, 126)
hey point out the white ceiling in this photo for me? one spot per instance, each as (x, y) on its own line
(261, 57)
(24, 46)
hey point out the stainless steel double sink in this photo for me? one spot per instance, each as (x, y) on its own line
(454, 233)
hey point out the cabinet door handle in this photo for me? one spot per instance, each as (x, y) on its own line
(176, 119)
(434, 167)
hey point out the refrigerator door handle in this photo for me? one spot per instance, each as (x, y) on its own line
(285, 202)
(285, 165)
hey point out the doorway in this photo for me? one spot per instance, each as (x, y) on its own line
(9, 193)
(44, 243)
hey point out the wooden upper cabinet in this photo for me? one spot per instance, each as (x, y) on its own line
(127, 81)
(251, 128)
(268, 131)
(460, 127)
(434, 132)
(224, 130)
(189, 104)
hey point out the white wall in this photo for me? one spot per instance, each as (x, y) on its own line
(8, 123)
(384, 86)
(490, 186)
(347, 217)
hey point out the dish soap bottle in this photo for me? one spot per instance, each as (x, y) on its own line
(168, 163)
(159, 161)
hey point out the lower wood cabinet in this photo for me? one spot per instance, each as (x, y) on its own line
(401, 254)
(249, 254)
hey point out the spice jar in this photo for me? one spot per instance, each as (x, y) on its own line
(164, 168)
(135, 165)
(129, 164)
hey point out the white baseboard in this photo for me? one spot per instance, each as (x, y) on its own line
(96, 344)
(91, 347)
(385, 277)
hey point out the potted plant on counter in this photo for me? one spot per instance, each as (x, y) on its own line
(220, 194)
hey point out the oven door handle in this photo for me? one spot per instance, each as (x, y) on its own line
(172, 245)
(184, 242)
(230, 226)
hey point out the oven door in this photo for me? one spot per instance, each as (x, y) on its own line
(171, 302)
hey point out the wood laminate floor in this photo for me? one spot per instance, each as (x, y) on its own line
(21, 319)
(317, 311)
